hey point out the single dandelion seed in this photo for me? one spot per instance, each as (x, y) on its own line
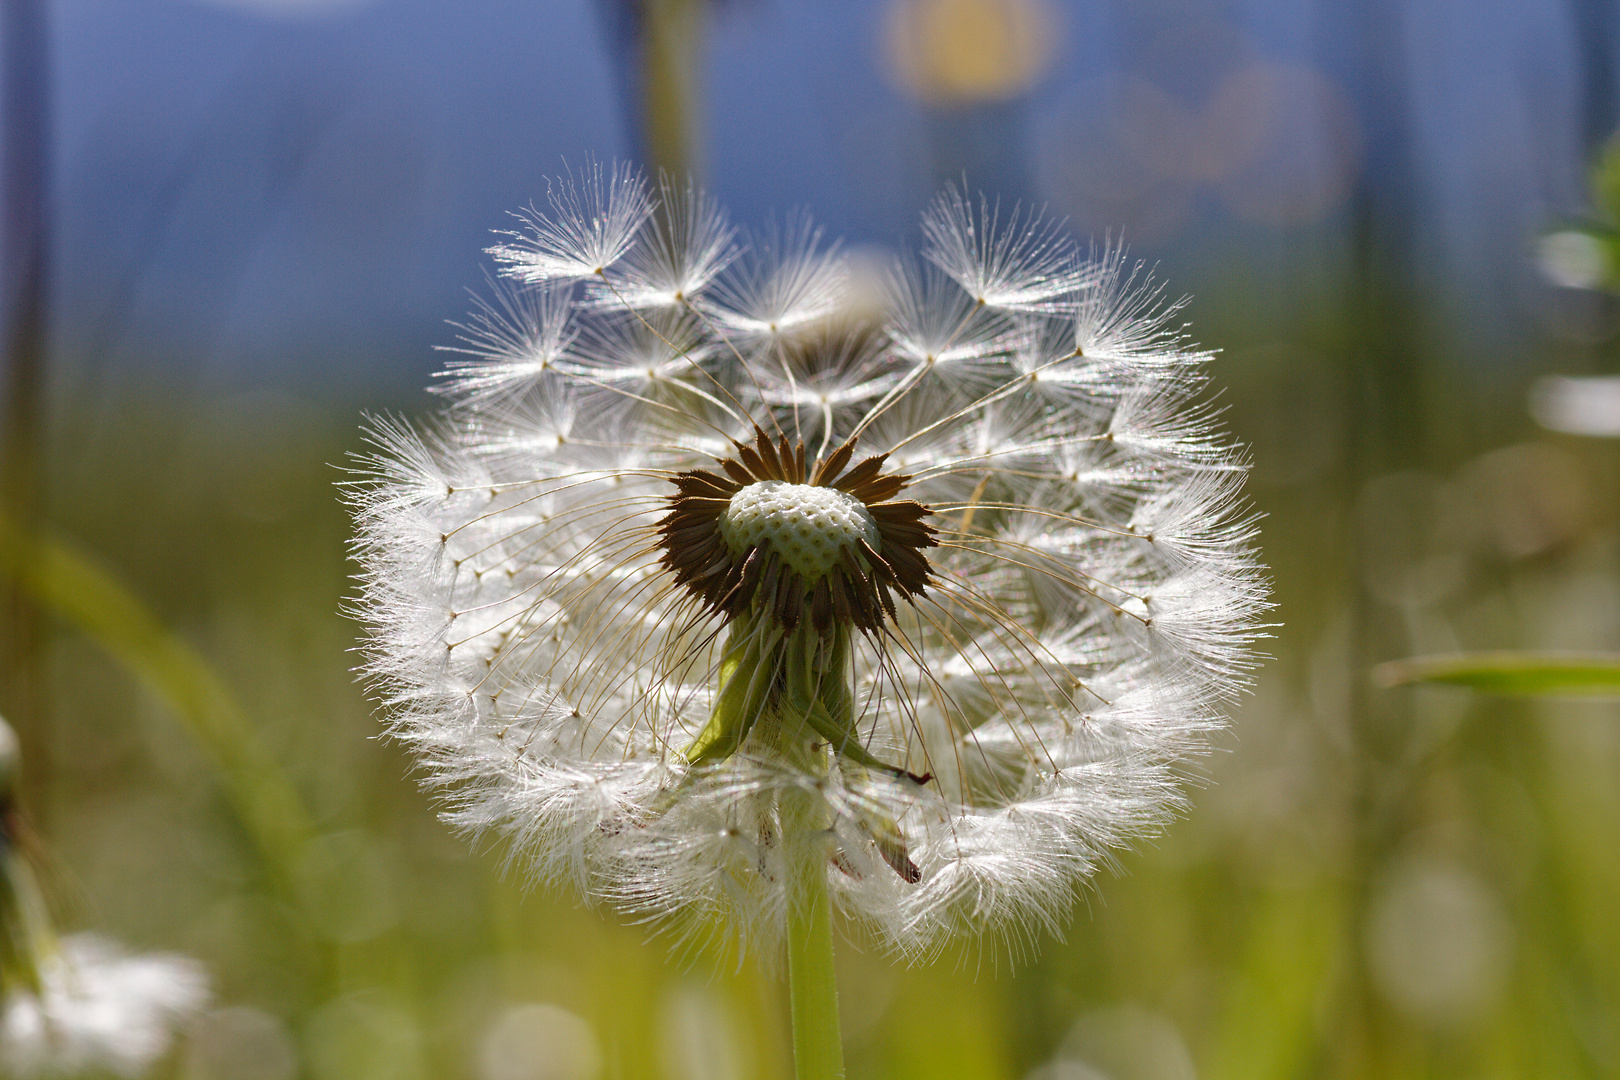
(745, 597)
(1016, 262)
(592, 222)
(515, 339)
(687, 246)
(782, 283)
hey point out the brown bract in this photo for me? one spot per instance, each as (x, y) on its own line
(859, 589)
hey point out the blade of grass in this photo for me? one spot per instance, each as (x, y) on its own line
(71, 585)
(1536, 673)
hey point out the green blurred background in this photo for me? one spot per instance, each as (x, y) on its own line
(1372, 882)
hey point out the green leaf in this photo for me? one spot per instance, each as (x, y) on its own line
(1506, 672)
(1605, 180)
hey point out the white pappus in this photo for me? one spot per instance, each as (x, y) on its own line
(717, 548)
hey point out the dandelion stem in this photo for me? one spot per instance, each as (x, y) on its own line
(818, 1050)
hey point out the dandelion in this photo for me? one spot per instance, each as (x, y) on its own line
(730, 606)
(79, 1005)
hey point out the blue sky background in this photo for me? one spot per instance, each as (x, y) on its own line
(297, 192)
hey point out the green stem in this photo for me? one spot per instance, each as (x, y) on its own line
(818, 1048)
(671, 43)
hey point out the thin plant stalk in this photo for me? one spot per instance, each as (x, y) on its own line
(24, 271)
(672, 35)
(818, 1048)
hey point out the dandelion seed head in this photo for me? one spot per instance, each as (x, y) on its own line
(948, 583)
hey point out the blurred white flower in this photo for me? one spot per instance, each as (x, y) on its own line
(699, 563)
(79, 1005)
(539, 1042)
(1438, 943)
(99, 1010)
(1573, 259)
(1578, 404)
